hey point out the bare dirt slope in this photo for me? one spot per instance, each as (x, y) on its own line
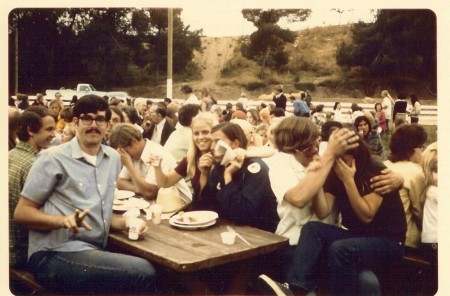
(216, 52)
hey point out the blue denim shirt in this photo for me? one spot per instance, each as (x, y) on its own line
(61, 180)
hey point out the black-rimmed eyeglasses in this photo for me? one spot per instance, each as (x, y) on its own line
(87, 120)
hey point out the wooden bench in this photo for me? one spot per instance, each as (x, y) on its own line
(412, 276)
(23, 282)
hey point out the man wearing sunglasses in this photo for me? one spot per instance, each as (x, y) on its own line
(67, 205)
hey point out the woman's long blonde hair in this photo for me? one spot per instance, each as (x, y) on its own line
(193, 154)
(430, 162)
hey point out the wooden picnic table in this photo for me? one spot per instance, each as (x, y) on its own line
(190, 252)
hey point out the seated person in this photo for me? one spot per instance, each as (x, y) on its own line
(372, 238)
(200, 144)
(364, 127)
(406, 155)
(291, 179)
(137, 175)
(327, 128)
(35, 129)
(67, 203)
(179, 140)
(238, 190)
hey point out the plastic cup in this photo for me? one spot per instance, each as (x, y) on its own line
(228, 238)
(156, 213)
(135, 226)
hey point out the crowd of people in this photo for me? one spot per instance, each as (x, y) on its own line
(348, 208)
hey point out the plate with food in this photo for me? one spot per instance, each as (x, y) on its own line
(194, 218)
(191, 227)
(123, 194)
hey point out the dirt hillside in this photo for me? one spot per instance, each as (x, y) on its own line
(216, 52)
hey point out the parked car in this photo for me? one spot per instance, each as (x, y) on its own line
(81, 90)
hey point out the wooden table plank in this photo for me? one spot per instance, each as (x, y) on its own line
(192, 250)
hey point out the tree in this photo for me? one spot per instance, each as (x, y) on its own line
(109, 47)
(266, 45)
(399, 43)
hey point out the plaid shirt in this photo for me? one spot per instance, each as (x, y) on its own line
(20, 160)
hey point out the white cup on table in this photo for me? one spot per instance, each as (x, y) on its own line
(135, 225)
(156, 213)
(228, 237)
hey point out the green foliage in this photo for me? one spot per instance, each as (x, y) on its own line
(108, 47)
(266, 45)
(235, 64)
(192, 71)
(305, 86)
(399, 42)
(254, 85)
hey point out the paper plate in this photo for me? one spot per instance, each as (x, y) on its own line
(192, 227)
(194, 218)
(135, 203)
(122, 194)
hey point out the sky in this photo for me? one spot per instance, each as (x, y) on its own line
(223, 21)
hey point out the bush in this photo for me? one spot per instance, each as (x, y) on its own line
(254, 85)
(192, 71)
(305, 85)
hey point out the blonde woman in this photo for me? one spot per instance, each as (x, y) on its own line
(200, 145)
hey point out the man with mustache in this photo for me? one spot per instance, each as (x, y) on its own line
(67, 202)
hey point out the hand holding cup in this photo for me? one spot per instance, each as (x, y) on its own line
(154, 160)
(136, 228)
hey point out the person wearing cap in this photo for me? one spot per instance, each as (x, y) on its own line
(189, 96)
(279, 98)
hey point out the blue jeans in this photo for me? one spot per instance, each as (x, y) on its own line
(345, 255)
(92, 272)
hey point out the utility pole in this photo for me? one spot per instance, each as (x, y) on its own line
(169, 52)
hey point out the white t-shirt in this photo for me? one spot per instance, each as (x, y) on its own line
(168, 163)
(387, 106)
(178, 142)
(192, 100)
(284, 173)
(244, 102)
(430, 216)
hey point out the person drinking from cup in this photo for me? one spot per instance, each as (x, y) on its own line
(237, 188)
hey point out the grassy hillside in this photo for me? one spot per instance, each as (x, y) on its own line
(312, 65)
